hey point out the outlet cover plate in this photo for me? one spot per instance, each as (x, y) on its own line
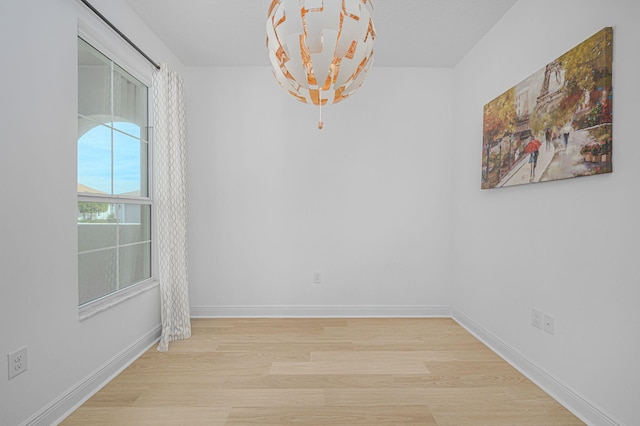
(547, 323)
(536, 318)
(17, 362)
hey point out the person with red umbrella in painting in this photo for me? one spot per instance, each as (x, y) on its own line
(532, 149)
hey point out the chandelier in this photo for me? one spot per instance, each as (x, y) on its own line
(320, 50)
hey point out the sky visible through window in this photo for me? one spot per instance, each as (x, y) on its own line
(98, 146)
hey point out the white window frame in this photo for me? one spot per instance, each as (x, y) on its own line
(109, 44)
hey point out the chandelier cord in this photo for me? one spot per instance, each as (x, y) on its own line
(320, 124)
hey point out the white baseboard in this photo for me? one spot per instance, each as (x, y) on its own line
(320, 311)
(74, 397)
(578, 405)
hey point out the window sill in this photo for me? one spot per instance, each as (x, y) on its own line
(101, 305)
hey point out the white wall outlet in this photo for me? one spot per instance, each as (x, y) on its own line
(547, 323)
(536, 318)
(17, 362)
(317, 278)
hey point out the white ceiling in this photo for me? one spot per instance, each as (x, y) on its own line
(410, 33)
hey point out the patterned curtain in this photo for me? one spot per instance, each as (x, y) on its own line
(170, 171)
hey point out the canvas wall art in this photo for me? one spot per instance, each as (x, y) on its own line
(557, 123)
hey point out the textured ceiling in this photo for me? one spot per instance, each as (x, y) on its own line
(410, 33)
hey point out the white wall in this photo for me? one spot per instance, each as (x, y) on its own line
(38, 236)
(365, 201)
(568, 248)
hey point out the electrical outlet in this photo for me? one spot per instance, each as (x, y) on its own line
(536, 318)
(547, 323)
(317, 278)
(17, 362)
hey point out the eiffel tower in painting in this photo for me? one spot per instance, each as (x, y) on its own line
(551, 91)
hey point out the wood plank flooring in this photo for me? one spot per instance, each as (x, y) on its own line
(322, 372)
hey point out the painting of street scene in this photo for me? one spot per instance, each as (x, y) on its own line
(556, 124)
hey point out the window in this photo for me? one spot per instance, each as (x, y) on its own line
(114, 203)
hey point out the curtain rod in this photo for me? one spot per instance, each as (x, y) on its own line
(113, 27)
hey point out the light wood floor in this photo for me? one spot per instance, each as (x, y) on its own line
(322, 372)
